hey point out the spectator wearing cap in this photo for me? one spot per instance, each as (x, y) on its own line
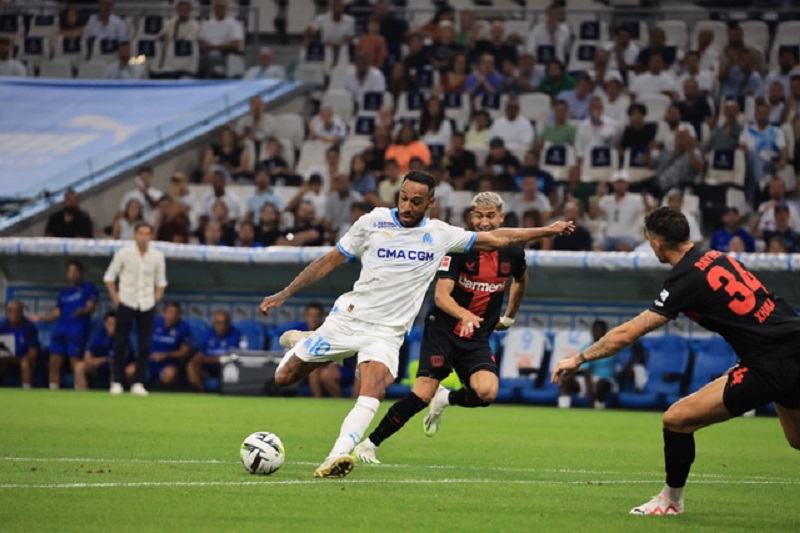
(327, 127)
(656, 80)
(144, 193)
(597, 129)
(8, 65)
(556, 79)
(765, 219)
(615, 100)
(70, 222)
(406, 147)
(513, 128)
(783, 230)
(622, 212)
(362, 78)
(501, 165)
(264, 194)
(731, 228)
(265, 69)
(578, 98)
(105, 24)
(552, 31)
(485, 80)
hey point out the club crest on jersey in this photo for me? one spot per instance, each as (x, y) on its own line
(505, 268)
(445, 266)
(427, 239)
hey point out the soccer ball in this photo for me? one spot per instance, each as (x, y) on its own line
(262, 453)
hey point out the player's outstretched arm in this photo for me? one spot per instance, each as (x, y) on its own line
(314, 272)
(612, 342)
(487, 241)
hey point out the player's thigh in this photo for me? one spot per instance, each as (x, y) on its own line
(473, 358)
(425, 388)
(334, 341)
(380, 345)
(698, 410)
(435, 353)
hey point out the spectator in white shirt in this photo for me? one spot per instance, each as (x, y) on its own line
(623, 51)
(147, 195)
(615, 102)
(765, 221)
(183, 25)
(655, 81)
(704, 78)
(596, 130)
(622, 213)
(257, 124)
(787, 65)
(142, 277)
(105, 24)
(218, 192)
(674, 200)
(122, 68)
(601, 70)
(221, 34)
(334, 27)
(550, 32)
(765, 148)
(515, 129)
(8, 65)
(529, 198)
(265, 69)
(669, 127)
(327, 127)
(709, 54)
(362, 78)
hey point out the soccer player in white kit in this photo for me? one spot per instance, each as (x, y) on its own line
(400, 251)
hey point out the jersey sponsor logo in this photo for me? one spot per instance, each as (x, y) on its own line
(411, 255)
(445, 266)
(480, 286)
(381, 225)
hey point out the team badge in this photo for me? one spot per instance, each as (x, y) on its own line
(505, 268)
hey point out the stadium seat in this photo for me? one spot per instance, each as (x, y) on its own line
(182, 57)
(312, 154)
(519, 27)
(254, 332)
(601, 163)
(43, 25)
(717, 26)
(362, 127)
(70, 49)
(712, 358)
(557, 160)
(457, 108)
(593, 30)
(677, 32)
(198, 328)
(757, 33)
(92, 70)
(493, 104)
(428, 79)
(151, 49)
(310, 73)
(372, 102)
(104, 50)
(657, 105)
(787, 32)
(341, 102)
(535, 106)
(726, 167)
(12, 25)
(35, 51)
(299, 14)
(234, 66)
(638, 30)
(150, 26)
(292, 127)
(582, 56)
(57, 68)
(351, 147)
(410, 104)
(632, 163)
(667, 364)
(566, 343)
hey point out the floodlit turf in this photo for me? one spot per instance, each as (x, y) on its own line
(88, 461)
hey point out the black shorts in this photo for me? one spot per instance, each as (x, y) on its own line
(443, 351)
(755, 384)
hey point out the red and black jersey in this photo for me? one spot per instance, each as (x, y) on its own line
(481, 280)
(720, 294)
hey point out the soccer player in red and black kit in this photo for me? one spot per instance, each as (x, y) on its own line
(721, 295)
(468, 298)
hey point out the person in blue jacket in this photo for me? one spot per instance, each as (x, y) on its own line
(221, 338)
(25, 342)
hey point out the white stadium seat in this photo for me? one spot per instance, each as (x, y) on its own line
(600, 164)
(722, 172)
(291, 126)
(341, 102)
(677, 32)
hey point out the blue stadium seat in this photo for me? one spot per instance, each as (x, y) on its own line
(712, 357)
(198, 328)
(511, 388)
(667, 363)
(254, 332)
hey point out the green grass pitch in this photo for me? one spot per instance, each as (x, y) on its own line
(169, 462)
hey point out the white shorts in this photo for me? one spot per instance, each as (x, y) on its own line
(340, 337)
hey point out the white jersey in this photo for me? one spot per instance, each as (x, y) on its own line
(397, 265)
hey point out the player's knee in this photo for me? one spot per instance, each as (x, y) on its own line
(673, 419)
(283, 378)
(486, 395)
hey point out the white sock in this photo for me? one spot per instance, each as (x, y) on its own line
(565, 402)
(354, 425)
(26, 385)
(54, 386)
(675, 495)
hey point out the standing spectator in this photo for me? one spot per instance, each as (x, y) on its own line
(787, 67)
(624, 52)
(182, 26)
(122, 68)
(228, 153)
(256, 124)
(486, 79)
(434, 126)
(219, 192)
(142, 277)
(709, 54)
(622, 211)
(268, 227)
(552, 31)
(220, 339)
(105, 24)
(171, 345)
(561, 131)
(596, 130)
(362, 78)
(389, 187)
(337, 206)
(657, 45)
(577, 99)
(460, 162)
(783, 231)
(731, 228)
(455, 79)
(334, 27)
(406, 147)
(725, 136)
(497, 45)
(70, 221)
(122, 229)
(556, 80)
(501, 165)
(656, 80)
(26, 343)
(219, 36)
(265, 69)
(704, 78)
(529, 198)
(765, 219)
(513, 128)
(264, 194)
(99, 354)
(530, 74)
(373, 44)
(70, 24)
(8, 65)
(478, 134)
(765, 147)
(579, 240)
(737, 75)
(147, 195)
(695, 108)
(327, 127)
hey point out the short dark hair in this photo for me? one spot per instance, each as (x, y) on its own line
(144, 168)
(419, 176)
(247, 223)
(641, 108)
(109, 314)
(361, 206)
(315, 305)
(77, 264)
(668, 224)
(173, 303)
(143, 224)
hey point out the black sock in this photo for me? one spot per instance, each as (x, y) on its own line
(399, 413)
(678, 457)
(466, 397)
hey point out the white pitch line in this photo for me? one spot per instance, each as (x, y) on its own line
(370, 482)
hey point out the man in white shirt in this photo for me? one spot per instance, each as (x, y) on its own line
(704, 78)
(334, 27)
(142, 277)
(147, 195)
(400, 252)
(655, 81)
(622, 50)
(362, 78)
(550, 32)
(513, 128)
(257, 124)
(765, 148)
(529, 198)
(669, 127)
(105, 24)
(183, 26)
(327, 127)
(709, 54)
(8, 65)
(596, 130)
(787, 65)
(674, 200)
(218, 192)
(622, 213)
(615, 102)
(219, 35)
(122, 69)
(265, 69)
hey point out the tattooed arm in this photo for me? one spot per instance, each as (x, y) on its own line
(505, 237)
(612, 342)
(312, 273)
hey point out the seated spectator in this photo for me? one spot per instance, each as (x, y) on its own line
(736, 44)
(407, 146)
(70, 24)
(725, 136)
(454, 80)
(552, 31)
(337, 206)
(99, 353)
(615, 101)
(529, 75)
(182, 26)
(656, 45)
(722, 239)
(361, 78)
(361, 181)
(312, 191)
(375, 154)
(268, 227)
(580, 240)
(373, 44)
(468, 31)
(546, 183)
(170, 346)
(738, 75)
(227, 227)
(765, 148)
(736, 246)
(531, 218)
(122, 68)
(669, 127)
(70, 221)
(577, 99)
(704, 78)
(264, 194)
(681, 166)
(331, 167)
(789, 237)
(211, 234)
(787, 67)
(460, 163)
(246, 237)
(556, 80)
(513, 128)
(390, 185)
(434, 126)
(577, 190)
(172, 222)
(417, 57)
(219, 340)
(601, 72)
(275, 164)
(639, 134)
(561, 131)
(695, 108)
(444, 46)
(400, 81)
(228, 153)
(105, 24)
(622, 50)
(485, 80)
(147, 195)
(122, 228)
(26, 346)
(306, 231)
(333, 28)
(656, 80)
(256, 124)
(221, 34)
(478, 133)
(765, 219)
(501, 165)
(497, 45)
(529, 198)
(220, 193)
(596, 130)
(674, 200)
(621, 211)
(8, 65)
(777, 245)
(265, 69)
(327, 127)
(776, 99)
